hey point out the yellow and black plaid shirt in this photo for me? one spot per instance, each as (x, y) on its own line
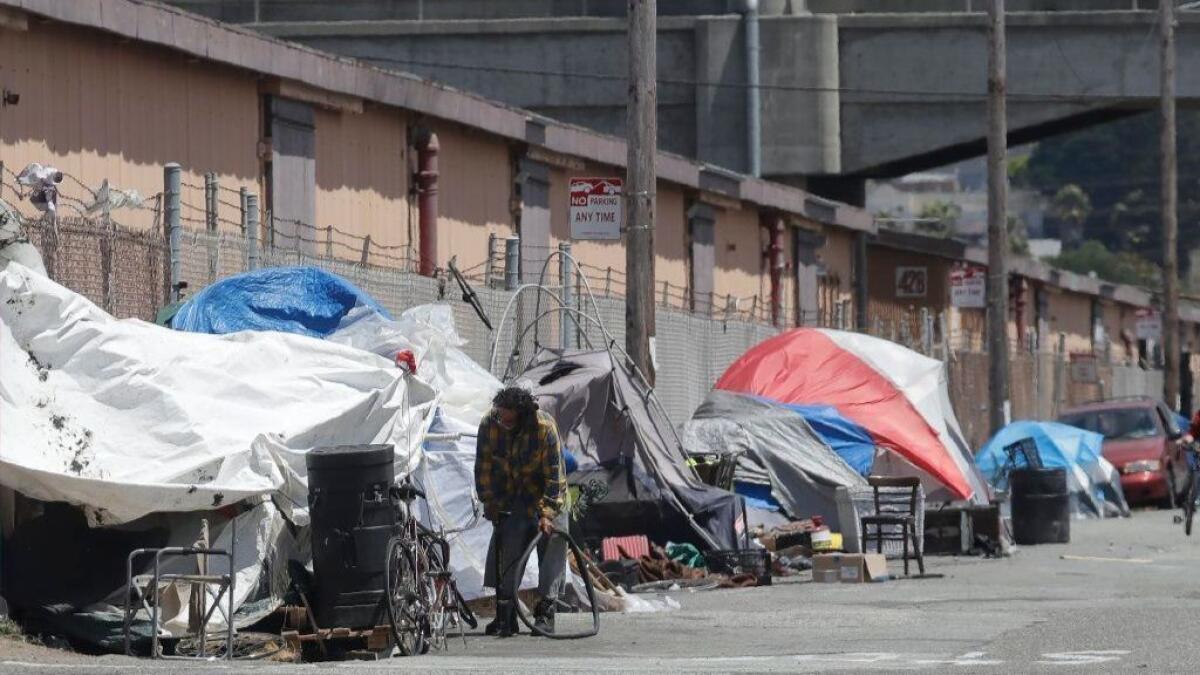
(522, 471)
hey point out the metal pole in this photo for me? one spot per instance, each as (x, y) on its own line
(512, 263)
(641, 144)
(489, 266)
(568, 295)
(252, 230)
(997, 283)
(1170, 203)
(171, 216)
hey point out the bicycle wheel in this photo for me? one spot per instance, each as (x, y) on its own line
(405, 611)
(1189, 505)
(464, 611)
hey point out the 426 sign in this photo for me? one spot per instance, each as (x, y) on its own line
(912, 282)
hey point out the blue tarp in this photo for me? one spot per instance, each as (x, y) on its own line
(1060, 446)
(304, 300)
(757, 496)
(850, 441)
(1094, 483)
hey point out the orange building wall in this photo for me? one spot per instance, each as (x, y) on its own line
(474, 194)
(96, 108)
(838, 256)
(1071, 313)
(740, 269)
(363, 178)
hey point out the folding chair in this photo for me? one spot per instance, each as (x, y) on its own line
(895, 517)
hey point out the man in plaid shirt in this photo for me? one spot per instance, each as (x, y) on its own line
(521, 480)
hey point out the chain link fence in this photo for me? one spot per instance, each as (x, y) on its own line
(125, 271)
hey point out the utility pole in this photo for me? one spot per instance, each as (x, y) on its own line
(642, 134)
(997, 281)
(1170, 202)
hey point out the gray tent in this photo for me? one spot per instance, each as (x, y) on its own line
(778, 448)
(625, 441)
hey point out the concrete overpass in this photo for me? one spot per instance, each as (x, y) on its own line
(843, 96)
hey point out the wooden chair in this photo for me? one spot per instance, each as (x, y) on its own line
(895, 507)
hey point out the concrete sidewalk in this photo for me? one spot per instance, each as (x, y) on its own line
(1118, 598)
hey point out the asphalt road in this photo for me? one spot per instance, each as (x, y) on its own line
(1119, 598)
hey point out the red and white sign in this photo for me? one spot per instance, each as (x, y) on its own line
(968, 287)
(596, 208)
(1149, 324)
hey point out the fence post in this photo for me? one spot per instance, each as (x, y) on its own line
(568, 299)
(242, 210)
(211, 223)
(947, 342)
(489, 266)
(926, 332)
(366, 250)
(329, 242)
(252, 229)
(666, 296)
(512, 263)
(1059, 372)
(608, 282)
(171, 215)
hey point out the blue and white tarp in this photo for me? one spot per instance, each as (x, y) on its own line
(1094, 483)
(301, 300)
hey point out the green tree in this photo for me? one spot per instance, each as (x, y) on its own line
(1018, 171)
(1018, 237)
(938, 218)
(1071, 206)
(1116, 165)
(1121, 267)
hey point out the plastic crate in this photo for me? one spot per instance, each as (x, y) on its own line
(755, 561)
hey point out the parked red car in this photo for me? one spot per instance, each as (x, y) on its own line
(1143, 441)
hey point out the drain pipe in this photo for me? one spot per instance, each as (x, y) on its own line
(753, 102)
(426, 144)
(774, 225)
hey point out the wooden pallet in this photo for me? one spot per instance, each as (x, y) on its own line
(351, 643)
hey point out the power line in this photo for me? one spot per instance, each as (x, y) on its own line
(980, 96)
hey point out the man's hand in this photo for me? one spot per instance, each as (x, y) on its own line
(546, 525)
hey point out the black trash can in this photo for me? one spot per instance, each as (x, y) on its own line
(352, 521)
(1041, 506)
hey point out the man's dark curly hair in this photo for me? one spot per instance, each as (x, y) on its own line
(520, 401)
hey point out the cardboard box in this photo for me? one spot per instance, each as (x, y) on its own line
(849, 568)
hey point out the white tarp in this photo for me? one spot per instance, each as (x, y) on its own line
(126, 418)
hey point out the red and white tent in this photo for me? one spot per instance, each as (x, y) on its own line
(897, 395)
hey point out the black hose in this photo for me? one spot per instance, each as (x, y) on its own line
(587, 584)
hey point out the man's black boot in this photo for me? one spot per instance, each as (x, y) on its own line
(543, 616)
(505, 623)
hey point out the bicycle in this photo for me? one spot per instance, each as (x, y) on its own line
(407, 592)
(1193, 491)
(423, 600)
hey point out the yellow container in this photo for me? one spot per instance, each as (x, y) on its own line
(833, 543)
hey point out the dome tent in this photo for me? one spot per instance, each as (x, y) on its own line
(897, 395)
(621, 437)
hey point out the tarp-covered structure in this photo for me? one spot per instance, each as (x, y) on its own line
(1094, 483)
(776, 447)
(629, 455)
(141, 432)
(900, 397)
